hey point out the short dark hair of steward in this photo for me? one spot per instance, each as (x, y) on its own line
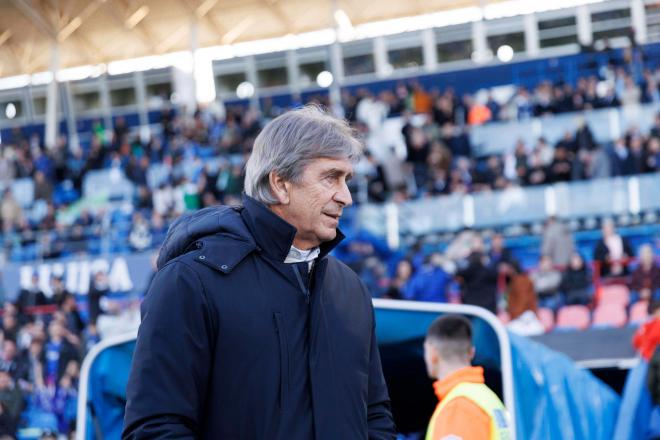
(452, 334)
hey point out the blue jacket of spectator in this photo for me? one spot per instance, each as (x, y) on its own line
(428, 284)
(233, 345)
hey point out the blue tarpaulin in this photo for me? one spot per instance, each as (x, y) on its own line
(636, 406)
(557, 400)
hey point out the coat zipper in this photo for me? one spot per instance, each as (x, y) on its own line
(301, 284)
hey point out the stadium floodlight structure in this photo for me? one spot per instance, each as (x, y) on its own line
(245, 90)
(324, 79)
(505, 53)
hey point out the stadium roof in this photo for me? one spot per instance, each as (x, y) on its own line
(94, 32)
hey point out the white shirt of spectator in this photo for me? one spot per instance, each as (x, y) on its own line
(615, 246)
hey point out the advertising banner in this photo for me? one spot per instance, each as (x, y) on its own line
(127, 273)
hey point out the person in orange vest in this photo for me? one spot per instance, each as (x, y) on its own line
(468, 409)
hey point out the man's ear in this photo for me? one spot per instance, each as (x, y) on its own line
(280, 188)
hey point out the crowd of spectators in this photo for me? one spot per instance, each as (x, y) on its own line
(43, 339)
(480, 270)
(438, 158)
(40, 358)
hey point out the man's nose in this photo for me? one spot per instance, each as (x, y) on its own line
(343, 196)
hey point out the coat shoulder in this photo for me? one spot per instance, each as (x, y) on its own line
(340, 269)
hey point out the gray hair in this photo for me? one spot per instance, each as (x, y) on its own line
(288, 143)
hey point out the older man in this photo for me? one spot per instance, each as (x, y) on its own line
(249, 329)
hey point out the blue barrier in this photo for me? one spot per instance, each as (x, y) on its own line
(557, 400)
(636, 406)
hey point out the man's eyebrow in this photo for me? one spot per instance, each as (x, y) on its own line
(337, 172)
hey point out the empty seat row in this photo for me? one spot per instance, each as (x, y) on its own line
(577, 317)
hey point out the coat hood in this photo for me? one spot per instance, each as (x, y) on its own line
(191, 227)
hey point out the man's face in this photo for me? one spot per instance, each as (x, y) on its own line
(317, 201)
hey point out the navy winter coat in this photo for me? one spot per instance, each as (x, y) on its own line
(236, 345)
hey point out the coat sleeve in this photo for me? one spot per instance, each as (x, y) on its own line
(171, 364)
(379, 414)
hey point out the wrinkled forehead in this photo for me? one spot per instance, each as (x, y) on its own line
(340, 165)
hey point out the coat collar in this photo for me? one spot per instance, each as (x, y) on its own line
(272, 233)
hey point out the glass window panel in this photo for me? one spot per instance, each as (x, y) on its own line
(558, 41)
(516, 40)
(228, 82)
(309, 72)
(39, 105)
(86, 101)
(454, 51)
(610, 15)
(556, 23)
(408, 57)
(273, 77)
(359, 64)
(18, 107)
(159, 90)
(122, 97)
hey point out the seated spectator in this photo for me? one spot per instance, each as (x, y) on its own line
(31, 296)
(96, 298)
(69, 308)
(576, 282)
(399, 283)
(49, 247)
(7, 424)
(140, 236)
(11, 398)
(10, 211)
(479, 283)
(520, 291)
(373, 274)
(10, 362)
(546, 284)
(557, 242)
(59, 290)
(645, 280)
(652, 159)
(10, 326)
(612, 252)
(561, 166)
(429, 283)
(33, 362)
(59, 352)
(77, 241)
(43, 188)
(66, 397)
(498, 253)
